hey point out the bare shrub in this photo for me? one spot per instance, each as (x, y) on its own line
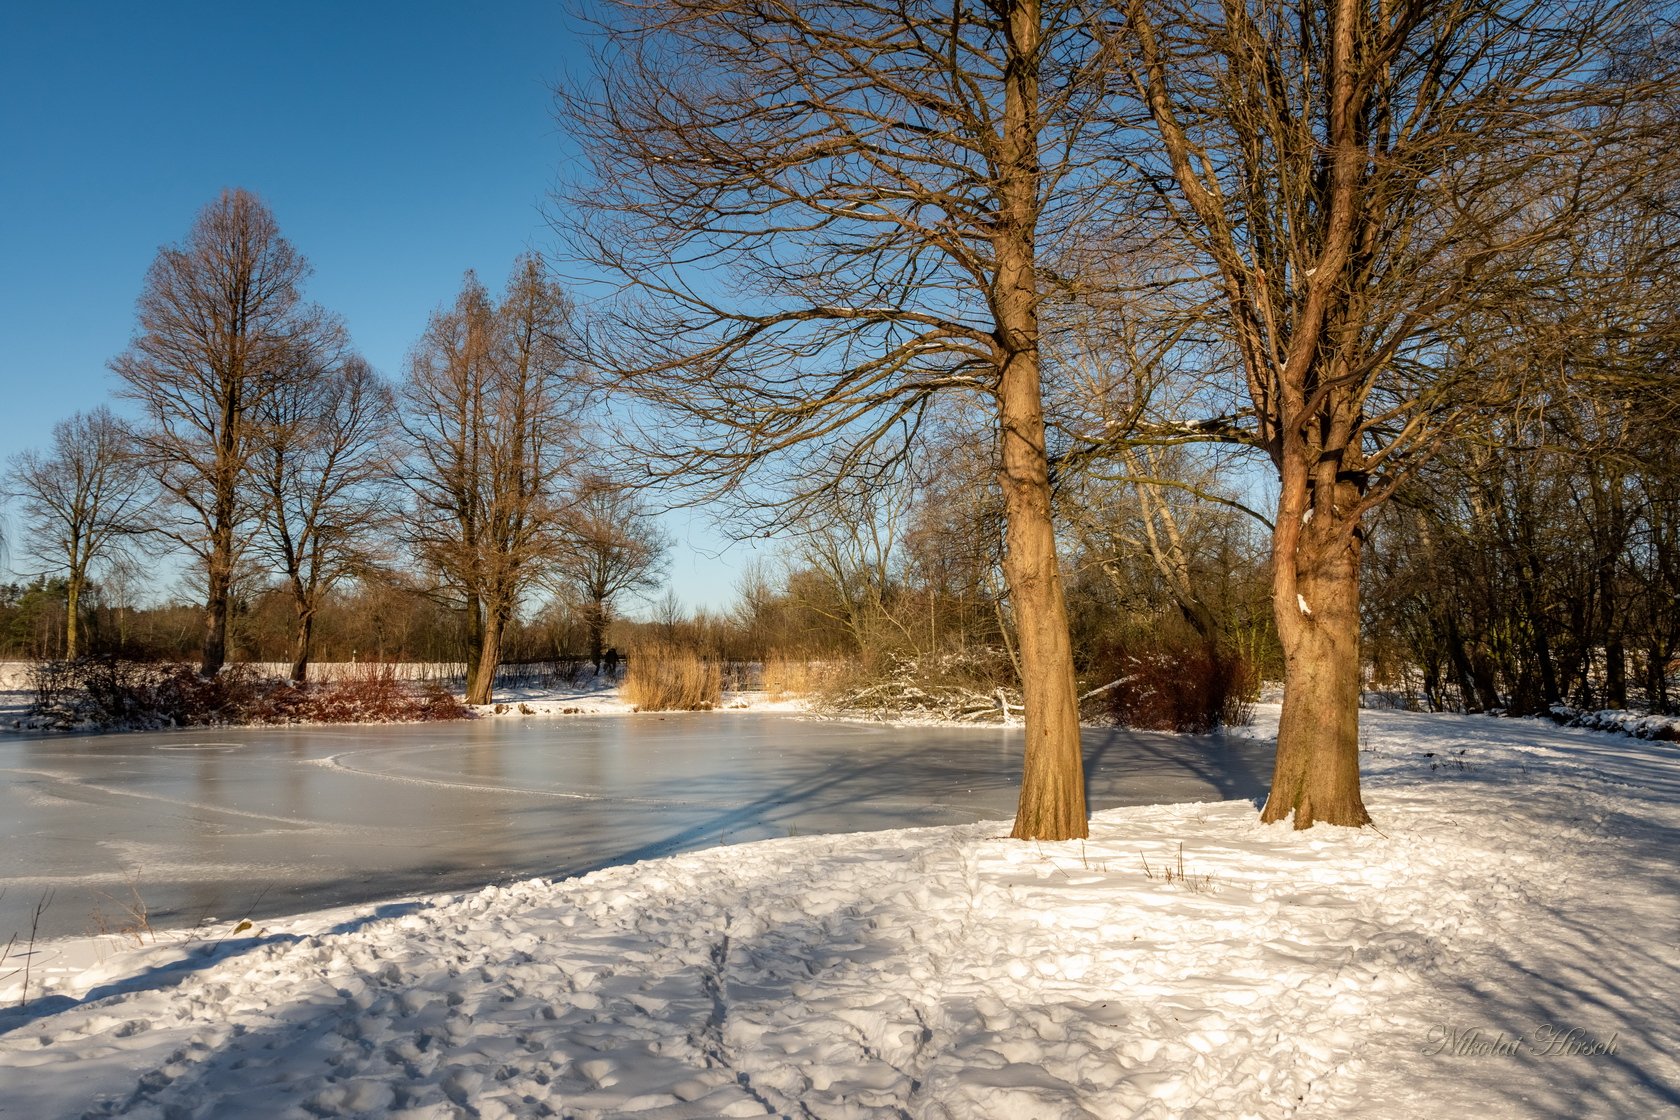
(668, 678)
(1176, 685)
(110, 693)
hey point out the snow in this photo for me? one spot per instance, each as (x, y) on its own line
(602, 698)
(1504, 946)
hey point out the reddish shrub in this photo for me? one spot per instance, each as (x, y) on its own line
(105, 692)
(1176, 686)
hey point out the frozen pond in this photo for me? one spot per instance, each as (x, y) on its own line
(218, 823)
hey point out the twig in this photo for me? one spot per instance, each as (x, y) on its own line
(1103, 688)
(29, 953)
(243, 918)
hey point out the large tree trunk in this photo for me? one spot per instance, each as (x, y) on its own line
(1052, 805)
(220, 590)
(475, 643)
(596, 613)
(481, 689)
(302, 642)
(1316, 601)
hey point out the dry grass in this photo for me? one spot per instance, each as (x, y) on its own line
(794, 676)
(134, 922)
(668, 678)
(1196, 884)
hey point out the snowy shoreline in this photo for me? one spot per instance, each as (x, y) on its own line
(1522, 885)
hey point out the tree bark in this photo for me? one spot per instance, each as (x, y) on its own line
(597, 630)
(302, 644)
(220, 584)
(475, 644)
(481, 689)
(73, 595)
(1052, 804)
(1316, 600)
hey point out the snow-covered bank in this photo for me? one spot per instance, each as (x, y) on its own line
(603, 698)
(1523, 887)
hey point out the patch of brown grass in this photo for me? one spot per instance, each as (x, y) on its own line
(786, 676)
(668, 678)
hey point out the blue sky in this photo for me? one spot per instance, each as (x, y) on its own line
(398, 144)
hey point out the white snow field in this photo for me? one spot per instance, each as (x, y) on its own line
(1506, 946)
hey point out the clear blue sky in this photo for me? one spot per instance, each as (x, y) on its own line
(398, 144)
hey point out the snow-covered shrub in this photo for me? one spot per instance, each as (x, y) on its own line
(1638, 724)
(966, 686)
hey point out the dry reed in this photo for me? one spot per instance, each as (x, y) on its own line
(668, 678)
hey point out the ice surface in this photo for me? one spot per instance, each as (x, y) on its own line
(268, 821)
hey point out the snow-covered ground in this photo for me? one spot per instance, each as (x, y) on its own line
(1506, 946)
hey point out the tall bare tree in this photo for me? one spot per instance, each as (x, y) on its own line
(80, 497)
(323, 458)
(488, 412)
(222, 326)
(1359, 183)
(610, 546)
(828, 216)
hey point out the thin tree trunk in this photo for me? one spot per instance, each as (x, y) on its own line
(1471, 695)
(1550, 692)
(73, 595)
(597, 612)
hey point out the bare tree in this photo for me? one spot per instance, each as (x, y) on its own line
(488, 431)
(1352, 184)
(80, 497)
(611, 546)
(222, 326)
(324, 453)
(828, 216)
(849, 545)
